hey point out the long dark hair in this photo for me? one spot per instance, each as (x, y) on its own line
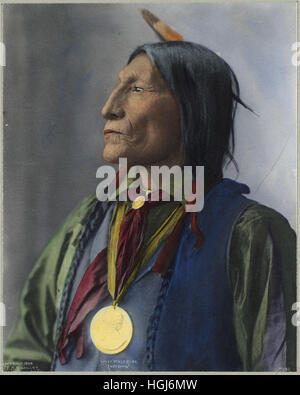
(207, 92)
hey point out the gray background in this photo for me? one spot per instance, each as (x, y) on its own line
(63, 60)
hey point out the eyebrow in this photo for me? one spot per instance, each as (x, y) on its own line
(131, 77)
(127, 76)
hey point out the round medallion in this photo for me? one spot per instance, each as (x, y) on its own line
(111, 330)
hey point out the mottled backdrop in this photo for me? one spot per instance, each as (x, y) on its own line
(63, 60)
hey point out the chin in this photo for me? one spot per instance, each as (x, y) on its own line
(111, 156)
(110, 160)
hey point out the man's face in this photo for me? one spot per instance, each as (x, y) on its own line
(142, 118)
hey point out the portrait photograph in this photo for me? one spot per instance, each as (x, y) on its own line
(150, 187)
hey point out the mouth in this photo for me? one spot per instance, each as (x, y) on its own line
(110, 131)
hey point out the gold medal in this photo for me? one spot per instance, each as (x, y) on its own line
(111, 330)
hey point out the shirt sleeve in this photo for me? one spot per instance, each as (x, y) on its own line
(31, 343)
(262, 271)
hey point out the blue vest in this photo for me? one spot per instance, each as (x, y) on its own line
(195, 329)
(191, 326)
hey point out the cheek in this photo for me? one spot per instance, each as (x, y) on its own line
(165, 124)
(161, 116)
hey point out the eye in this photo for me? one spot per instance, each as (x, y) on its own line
(137, 89)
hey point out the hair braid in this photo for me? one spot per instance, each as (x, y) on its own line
(93, 222)
(155, 318)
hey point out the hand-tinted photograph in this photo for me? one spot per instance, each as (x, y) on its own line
(116, 283)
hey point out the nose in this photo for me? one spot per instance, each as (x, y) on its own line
(113, 109)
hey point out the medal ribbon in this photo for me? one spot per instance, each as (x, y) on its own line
(123, 266)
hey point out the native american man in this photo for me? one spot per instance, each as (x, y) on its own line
(210, 291)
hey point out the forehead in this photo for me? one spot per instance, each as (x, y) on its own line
(141, 67)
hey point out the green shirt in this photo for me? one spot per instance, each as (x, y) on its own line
(262, 241)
